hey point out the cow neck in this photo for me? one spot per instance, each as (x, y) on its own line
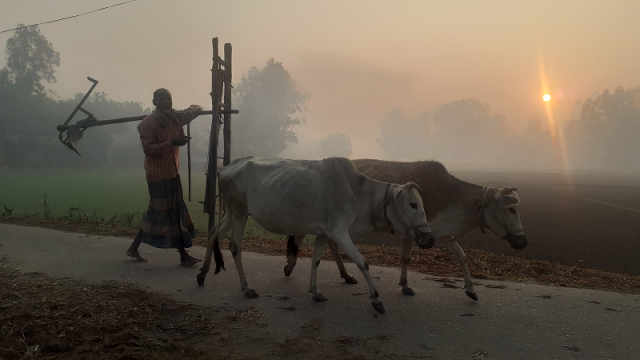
(483, 203)
(471, 201)
(386, 199)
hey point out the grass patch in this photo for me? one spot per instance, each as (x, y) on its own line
(101, 196)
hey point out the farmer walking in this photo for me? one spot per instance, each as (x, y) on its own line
(167, 222)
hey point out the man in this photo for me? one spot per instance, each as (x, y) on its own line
(167, 222)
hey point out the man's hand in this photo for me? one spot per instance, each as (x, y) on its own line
(197, 109)
(180, 140)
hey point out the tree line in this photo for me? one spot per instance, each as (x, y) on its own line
(604, 136)
(269, 102)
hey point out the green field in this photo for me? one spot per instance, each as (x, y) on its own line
(104, 195)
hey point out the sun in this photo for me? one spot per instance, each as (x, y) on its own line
(546, 97)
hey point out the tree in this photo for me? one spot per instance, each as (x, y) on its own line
(467, 130)
(464, 130)
(30, 60)
(533, 127)
(336, 144)
(269, 101)
(28, 118)
(405, 139)
(612, 125)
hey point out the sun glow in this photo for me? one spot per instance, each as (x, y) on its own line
(556, 130)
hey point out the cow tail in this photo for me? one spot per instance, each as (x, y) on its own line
(292, 247)
(217, 255)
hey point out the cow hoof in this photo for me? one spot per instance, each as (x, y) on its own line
(319, 298)
(200, 279)
(472, 295)
(349, 279)
(286, 271)
(379, 307)
(408, 291)
(252, 294)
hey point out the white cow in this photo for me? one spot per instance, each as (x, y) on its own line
(454, 208)
(326, 198)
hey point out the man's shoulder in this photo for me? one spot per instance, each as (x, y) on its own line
(148, 121)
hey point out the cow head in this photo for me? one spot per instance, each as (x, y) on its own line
(502, 217)
(405, 212)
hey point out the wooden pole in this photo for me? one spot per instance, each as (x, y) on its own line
(227, 103)
(189, 157)
(212, 165)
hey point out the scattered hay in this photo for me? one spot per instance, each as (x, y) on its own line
(47, 317)
(53, 318)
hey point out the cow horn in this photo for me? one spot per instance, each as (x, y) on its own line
(413, 185)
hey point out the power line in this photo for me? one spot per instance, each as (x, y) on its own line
(68, 17)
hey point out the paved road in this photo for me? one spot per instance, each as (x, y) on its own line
(518, 322)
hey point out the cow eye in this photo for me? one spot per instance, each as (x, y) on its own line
(414, 205)
(512, 210)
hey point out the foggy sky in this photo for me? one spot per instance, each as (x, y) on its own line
(359, 59)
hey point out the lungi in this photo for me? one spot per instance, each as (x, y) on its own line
(167, 222)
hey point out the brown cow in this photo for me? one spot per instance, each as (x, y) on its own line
(453, 207)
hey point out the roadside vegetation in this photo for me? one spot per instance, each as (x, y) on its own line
(98, 196)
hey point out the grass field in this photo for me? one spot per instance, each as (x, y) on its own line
(104, 195)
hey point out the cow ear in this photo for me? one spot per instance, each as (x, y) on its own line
(397, 192)
(507, 200)
(413, 185)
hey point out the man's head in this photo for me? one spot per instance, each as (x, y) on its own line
(162, 99)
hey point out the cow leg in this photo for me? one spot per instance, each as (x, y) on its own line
(318, 248)
(293, 244)
(222, 228)
(346, 243)
(238, 225)
(335, 251)
(407, 249)
(462, 257)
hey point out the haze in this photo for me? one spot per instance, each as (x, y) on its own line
(358, 59)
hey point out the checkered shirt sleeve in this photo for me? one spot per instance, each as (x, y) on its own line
(162, 159)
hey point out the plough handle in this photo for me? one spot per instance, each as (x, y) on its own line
(79, 106)
(87, 123)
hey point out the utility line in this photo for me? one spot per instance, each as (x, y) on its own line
(68, 17)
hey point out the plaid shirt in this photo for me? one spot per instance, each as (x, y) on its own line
(162, 159)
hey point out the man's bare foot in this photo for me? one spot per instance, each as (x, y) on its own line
(136, 254)
(189, 261)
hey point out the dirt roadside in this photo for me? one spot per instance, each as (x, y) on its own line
(49, 318)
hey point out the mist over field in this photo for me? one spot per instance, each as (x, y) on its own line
(461, 83)
(533, 108)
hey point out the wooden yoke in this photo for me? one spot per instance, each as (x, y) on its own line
(220, 85)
